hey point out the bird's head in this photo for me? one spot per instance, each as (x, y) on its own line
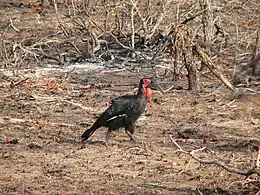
(145, 87)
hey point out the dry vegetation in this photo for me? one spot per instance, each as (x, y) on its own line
(201, 135)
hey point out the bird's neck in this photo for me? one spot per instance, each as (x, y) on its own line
(140, 91)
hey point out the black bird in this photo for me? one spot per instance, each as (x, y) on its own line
(123, 112)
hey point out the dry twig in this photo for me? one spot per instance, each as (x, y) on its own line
(12, 25)
(192, 154)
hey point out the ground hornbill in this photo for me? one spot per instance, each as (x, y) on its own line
(123, 112)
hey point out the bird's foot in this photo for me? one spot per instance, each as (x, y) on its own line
(130, 135)
(132, 138)
(83, 146)
(133, 143)
(82, 143)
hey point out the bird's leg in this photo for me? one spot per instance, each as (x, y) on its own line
(147, 109)
(130, 135)
(107, 137)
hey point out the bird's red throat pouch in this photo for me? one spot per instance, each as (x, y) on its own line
(148, 93)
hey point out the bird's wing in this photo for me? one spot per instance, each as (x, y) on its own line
(119, 107)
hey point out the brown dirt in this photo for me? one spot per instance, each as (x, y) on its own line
(48, 158)
(47, 114)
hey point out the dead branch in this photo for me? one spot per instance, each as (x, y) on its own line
(159, 20)
(258, 159)
(236, 51)
(121, 44)
(207, 23)
(257, 42)
(59, 20)
(12, 25)
(192, 17)
(21, 52)
(132, 24)
(210, 47)
(256, 48)
(75, 47)
(4, 54)
(159, 51)
(112, 35)
(246, 181)
(212, 67)
(192, 154)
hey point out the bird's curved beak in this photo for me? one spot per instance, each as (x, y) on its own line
(152, 86)
(149, 86)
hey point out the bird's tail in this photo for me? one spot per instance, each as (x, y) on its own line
(88, 133)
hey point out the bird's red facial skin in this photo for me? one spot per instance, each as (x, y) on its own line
(146, 82)
(147, 90)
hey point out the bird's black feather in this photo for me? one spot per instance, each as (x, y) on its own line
(122, 113)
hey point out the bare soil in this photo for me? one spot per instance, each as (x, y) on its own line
(42, 118)
(48, 115)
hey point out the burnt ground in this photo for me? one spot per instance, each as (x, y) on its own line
(42, 118)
